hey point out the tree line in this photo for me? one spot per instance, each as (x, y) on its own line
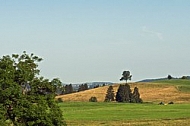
(124, 94)
(68, 89)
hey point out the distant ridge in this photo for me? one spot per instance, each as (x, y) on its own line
(150, 80)
(90, 84)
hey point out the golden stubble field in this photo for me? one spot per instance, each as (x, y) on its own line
(149, 93)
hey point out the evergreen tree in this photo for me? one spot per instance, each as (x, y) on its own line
(110, 94)
(124, 93)
(83, 87)
(25, 98)
(136, 96)
(68, 89)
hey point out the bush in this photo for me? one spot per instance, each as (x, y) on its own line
(93, 99)
(171, 102)
(184, 77)
(59, 100)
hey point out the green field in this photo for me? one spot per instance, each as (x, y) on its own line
(181, 84)
(129, 114)
(106, 114)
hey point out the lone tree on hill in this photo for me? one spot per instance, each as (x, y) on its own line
(126, 76)
(110, 94)
(124, 93)
(25, 98)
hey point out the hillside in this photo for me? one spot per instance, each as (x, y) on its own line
(150, 92)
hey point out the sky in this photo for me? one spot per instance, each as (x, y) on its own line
(96, 40)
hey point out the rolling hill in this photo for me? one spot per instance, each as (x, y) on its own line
(177, 91)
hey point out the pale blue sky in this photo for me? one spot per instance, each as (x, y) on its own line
(95, 40)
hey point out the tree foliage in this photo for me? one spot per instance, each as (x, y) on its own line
(124, 94)
(110, 94)
(83, 87)
(184, 77)
(26, 99)
(169, 77)
(136, 96)
(68, 89)
(126, 76)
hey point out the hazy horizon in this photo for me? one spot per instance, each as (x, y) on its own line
(85, 41)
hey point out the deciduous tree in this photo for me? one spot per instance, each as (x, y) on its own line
(126, 76)
(169, 77)
(26, 99)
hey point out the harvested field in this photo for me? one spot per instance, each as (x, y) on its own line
(150, 92)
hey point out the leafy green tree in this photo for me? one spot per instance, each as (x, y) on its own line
(126, 76)
(169, 77)
(110, 94)
(26, 99)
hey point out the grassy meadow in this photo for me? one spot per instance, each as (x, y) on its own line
(118, 114)
(78, 111)
(182, 85)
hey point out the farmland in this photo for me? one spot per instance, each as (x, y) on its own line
(118, 114)
(78, 111)
(177, 91)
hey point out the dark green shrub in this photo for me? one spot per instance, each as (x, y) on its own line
(93, 99)
(59, 100)
(184, 77)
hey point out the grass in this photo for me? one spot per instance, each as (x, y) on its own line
(182, 85)
(100, 113)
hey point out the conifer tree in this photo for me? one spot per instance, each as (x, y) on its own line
(124, 93)
(110, 94)
(136, 96)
